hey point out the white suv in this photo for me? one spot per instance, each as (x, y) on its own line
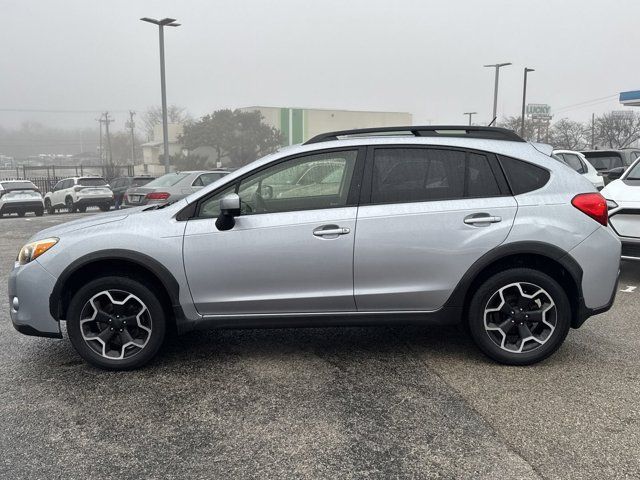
(77, 193)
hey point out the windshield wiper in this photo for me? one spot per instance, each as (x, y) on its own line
(157, 206)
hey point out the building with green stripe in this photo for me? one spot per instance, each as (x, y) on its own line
(299, 124)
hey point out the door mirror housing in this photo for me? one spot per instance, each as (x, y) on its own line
(229, 209)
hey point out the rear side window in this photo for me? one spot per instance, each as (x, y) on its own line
(522, 176)
(421, 174)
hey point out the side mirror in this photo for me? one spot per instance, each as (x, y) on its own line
(229, 209)
(615, 173)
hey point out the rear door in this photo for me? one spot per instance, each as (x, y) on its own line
(426, 215)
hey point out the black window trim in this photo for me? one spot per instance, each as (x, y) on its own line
(524, 161)
(367, 190)
(191, 211)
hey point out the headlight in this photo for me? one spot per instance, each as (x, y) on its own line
(33, 250)
(611, 204)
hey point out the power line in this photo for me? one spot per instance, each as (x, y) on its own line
(586, 103)
(37, 110)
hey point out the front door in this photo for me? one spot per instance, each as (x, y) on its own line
(291, 249)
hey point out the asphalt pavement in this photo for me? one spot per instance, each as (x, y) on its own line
(379, 402)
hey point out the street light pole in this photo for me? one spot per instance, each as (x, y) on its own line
(495, 88)
(470, 114)
(165, 22)
(524, 99)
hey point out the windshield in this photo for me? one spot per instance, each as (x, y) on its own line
(18, 186)
(167, 180)
(634, 173)
(92, 182)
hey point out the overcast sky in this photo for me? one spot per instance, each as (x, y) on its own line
(419, 56)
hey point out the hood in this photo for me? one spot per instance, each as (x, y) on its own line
(622, 191)
(85, 222)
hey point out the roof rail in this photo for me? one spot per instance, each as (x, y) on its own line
(460, 131)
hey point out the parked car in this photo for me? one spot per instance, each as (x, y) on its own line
(20, 197)
(580, 164)
(75, 194)
(431, 225)
(623, 198)
(119, 186)
(611, 163)
(171, 187)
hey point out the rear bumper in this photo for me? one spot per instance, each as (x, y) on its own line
(24, 206)
(93, 201)
(30, 286)
(599, 258)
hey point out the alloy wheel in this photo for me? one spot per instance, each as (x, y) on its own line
(115, 324)
(520, 317)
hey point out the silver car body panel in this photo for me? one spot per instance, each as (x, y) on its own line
(408, 257)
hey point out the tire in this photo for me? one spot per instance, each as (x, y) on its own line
(71, 207)
(105, 208)
(82, 209)
(21, 213)
(510, 315)
(49, 207)
(80, 326)
(39, 213)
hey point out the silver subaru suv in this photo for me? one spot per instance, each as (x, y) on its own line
(421, 225)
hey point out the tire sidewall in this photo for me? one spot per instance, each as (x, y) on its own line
(499, 280)
(129, 285)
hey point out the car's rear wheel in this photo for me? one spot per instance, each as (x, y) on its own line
(71, 207)
(116, 323)
(519, 316)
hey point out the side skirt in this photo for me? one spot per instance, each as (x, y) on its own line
(444, 316)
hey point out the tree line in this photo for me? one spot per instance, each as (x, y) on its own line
(607, 131)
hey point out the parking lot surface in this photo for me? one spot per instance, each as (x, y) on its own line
(402, 402)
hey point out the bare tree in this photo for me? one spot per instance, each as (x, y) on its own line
(617, 131)
(513, 123)
(153, 116)
(569, 134)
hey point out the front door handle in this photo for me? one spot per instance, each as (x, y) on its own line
(481, 219)
(330, 231)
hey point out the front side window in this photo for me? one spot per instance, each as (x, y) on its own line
(304, 183)
(425, 174)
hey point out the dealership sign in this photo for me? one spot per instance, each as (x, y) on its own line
(539, 110)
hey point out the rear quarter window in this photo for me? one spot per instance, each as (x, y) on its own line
(523, 176)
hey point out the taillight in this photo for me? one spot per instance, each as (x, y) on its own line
(158, 196)
(594, 205)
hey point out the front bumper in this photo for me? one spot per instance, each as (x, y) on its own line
(32, 285)
(22, 206)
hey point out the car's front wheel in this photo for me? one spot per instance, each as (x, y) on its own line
(519, 316)
(116, 323)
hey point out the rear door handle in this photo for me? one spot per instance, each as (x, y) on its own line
(481, 219)
(330, 230)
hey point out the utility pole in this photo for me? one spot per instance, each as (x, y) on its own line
(132, 126)
(100, 121)
(165, 22)
(524, 99)
(470, 114)
(497, 66)
(107, 121)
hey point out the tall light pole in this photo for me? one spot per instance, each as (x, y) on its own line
(524, 98)
(470, 114)
(495, 88)
(165, 22)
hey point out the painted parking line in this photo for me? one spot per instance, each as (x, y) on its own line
(629, 289)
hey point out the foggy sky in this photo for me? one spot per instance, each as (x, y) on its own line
(423, 57)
